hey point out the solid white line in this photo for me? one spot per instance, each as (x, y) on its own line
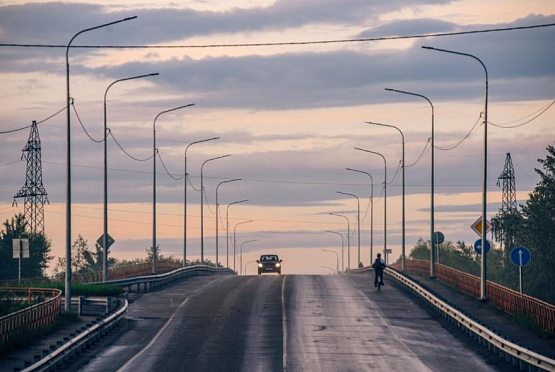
(126, 365)
(284, 324)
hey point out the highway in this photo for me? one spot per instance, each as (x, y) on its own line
(283, 323)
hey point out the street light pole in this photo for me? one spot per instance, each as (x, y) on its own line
(329, 268)
(483, 287)
(336, 258)
(154, 149)
(67, 305)
(342, 247)
(235, 240)
(241, 259)
(227, 227)
(371, 211)
(105, 236)
(185, 179)
(217, 215)
(385, 201)
(358, 218)
(348, 238)
(432, 183)
(403, 181)
(202, 206)
(247, 265)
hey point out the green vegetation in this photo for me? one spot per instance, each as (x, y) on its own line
(533, 226)
(39, 250)
(78, 289)
(9, 305)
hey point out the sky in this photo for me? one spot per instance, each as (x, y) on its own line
(289, 116)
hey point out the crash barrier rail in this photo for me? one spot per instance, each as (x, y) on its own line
(511, 352)
(506, 299)
(46, 310)
(152, 281)
(81, 303)
(120, 272)
(52, 360)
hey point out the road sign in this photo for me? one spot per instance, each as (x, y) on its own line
(477, 226)
(387, 251)
(521, 256)
(23, 245)
(439, 237)
(478, 246)
(100, 241)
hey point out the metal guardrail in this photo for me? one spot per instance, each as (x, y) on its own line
(512, 352)
(81, 341)
(152, 281)
(81, 302)
(506, 299)
(31, 318)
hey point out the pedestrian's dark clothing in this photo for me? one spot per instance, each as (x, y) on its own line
(379, 266)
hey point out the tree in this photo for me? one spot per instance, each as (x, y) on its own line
(39, 250)
(538, 232)
(82, 258)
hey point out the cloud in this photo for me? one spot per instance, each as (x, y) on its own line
(409, 27)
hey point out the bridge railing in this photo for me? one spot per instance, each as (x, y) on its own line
(506, 299)
(33, 317)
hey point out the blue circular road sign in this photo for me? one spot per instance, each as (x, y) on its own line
(521, 256)
(478, 246)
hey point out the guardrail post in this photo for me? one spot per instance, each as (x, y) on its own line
(109, 304)
(81, 303)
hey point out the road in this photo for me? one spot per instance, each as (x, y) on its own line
(284, 323)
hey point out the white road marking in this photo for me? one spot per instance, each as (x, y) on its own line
(284, 324)
(130, 361)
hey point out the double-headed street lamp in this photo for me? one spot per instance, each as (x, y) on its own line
(483, 295)
(371, 211)
(432, 222)
(342, 247)
(227, 228)
(403, 181)
(385, 200)
(336, 258)
(154, 149)
(358, 218)
(217, 215)
(235, 239)
(202, 206)
(67, 305)
(241, 259)
(348, 238)
(186, 178)
(105, 236)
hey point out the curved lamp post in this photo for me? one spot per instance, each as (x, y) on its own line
(348, 238)
(105, 236)
(247, 265)
(403, 181)
(154, 149)
(202, 206)
(432, 222)
(342, 247)
(217, 216)
(329, 268)
(385, 201)
(358, 218)
(185, 196)
(227, 228)
(483, 287)
(241, 259)
(371, 211)
(235, 239)
(336, 258)
(67, 305)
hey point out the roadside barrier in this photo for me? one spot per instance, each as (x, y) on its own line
(506, 299)
(45, 311)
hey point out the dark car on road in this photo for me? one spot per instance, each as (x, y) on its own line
(269, 263)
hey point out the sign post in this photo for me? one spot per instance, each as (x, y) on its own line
(520, 256)
(20, 250)
(109, 242)
(438, 239)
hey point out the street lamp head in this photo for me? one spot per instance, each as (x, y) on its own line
(154, 74)
(427, 47)
(129, 18)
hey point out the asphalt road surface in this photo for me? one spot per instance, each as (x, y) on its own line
(284, 323)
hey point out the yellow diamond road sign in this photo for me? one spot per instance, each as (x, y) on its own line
(477, 226)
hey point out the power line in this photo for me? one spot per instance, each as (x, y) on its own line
(29, 126)
(463, 139)
(83, 126)
(265, 44)
(125, 152)
(166, 169)
(542, 111)
(421, 154)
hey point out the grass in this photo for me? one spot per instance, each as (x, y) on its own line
(63, 321)
(78, 289)
(8, 306)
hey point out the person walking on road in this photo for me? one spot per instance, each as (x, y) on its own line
(379, 266)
